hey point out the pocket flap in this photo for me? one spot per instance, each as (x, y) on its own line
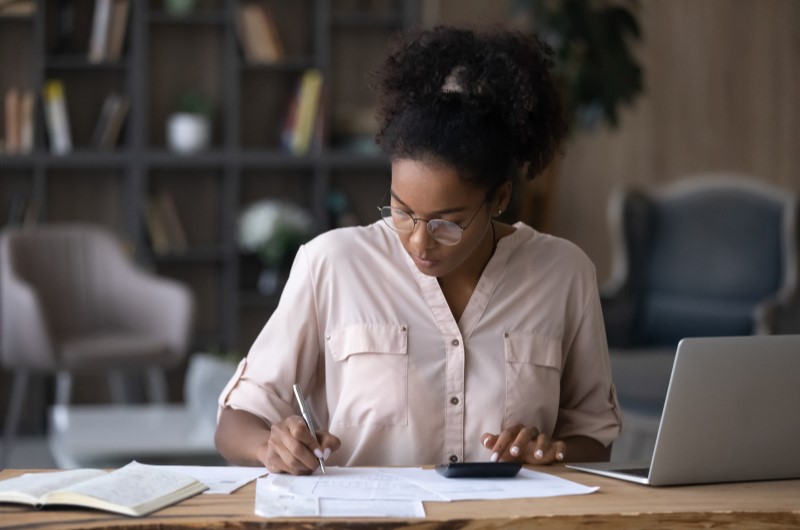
(532, 349)
(368, 338)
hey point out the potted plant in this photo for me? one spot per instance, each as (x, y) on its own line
(273, 230)
(595, 68)
(189, 127)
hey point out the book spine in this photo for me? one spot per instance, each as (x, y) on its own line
(310, 90)
(98, 42)
(27, 122)
(56, 117)
(117, 30)
(110, 136)
(12, 111)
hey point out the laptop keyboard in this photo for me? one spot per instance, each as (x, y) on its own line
(637, 471)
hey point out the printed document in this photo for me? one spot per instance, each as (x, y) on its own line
(527, 484)
(220, 479)
(272, 502)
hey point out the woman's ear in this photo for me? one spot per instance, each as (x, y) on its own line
(501, 199)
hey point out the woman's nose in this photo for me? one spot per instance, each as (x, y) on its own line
(420, 237)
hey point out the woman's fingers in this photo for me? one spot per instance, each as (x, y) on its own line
(546, 451)
(291, 448)
(509, 444)
(328, 443)
(524, 437)
(525, 444)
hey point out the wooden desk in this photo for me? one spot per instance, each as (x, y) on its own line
(618, 504)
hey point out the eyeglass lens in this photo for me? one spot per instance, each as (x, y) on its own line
(444, 232)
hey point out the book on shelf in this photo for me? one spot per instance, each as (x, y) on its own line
(12, 108)
(98, 40)
(258, 33)
(176, 234)
(56, 117)
(117, 29)
(19, 121)
(135, 489)
(302, 124)
(109, 124)
(164, 225)
(27, 121)
(155, 227)
(109, 26)
(17, 8)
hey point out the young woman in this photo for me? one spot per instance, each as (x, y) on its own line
(437, 334)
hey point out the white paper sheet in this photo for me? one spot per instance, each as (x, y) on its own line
(271, 502)
(221, 479)
(353, 484)
(527, 484)
(275, 503)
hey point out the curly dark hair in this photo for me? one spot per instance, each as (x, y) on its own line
(482, 103)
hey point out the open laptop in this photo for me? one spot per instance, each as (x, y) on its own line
(732, 414)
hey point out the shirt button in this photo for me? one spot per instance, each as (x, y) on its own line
(453, 458)
(455, 342)
(454, 400)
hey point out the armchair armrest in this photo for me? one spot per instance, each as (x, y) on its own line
(26, 340)
(777, 315)
(158, 306)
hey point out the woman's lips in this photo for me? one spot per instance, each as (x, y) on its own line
(423, 262)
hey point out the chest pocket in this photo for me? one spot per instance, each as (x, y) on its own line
(533, 380)
(372, 361)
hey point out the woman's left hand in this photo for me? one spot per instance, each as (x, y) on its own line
(523, 444)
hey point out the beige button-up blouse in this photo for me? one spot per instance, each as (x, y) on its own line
(388, 370)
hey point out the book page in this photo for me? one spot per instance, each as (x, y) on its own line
(35, 485)
(134, 486)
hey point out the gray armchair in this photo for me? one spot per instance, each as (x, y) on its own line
(715, 255)
(71, 301)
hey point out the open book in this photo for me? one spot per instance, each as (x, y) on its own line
(135, 489)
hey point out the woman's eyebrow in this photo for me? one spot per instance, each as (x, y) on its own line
(436, 213)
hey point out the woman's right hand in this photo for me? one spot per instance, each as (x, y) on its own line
(292, 449)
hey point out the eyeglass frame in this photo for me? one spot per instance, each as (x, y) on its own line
(428, 221)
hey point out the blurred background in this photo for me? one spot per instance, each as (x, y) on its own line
(207, 139)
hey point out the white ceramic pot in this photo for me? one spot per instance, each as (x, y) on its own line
(188, 133)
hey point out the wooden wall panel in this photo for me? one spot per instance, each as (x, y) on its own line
(723, 94)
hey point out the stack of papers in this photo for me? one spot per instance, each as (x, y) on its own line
(393, 492)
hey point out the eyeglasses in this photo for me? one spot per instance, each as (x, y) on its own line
(443, 232)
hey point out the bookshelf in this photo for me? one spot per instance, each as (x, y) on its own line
(163, 55)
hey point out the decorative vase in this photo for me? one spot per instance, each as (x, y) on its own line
(187, 132)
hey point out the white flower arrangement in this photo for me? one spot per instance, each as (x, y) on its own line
(273, 230)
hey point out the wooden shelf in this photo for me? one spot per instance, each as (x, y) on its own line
(163, 56)
(81, 62)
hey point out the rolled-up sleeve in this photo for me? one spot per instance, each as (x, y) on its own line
(588, 404)
(287, 351)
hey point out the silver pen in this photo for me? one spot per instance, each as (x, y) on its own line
(305, 411)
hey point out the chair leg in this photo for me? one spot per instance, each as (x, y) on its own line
(63, 387)
(156, 385)
(18, 390)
